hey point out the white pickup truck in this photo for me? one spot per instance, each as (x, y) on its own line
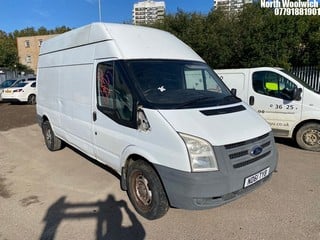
(288, 104)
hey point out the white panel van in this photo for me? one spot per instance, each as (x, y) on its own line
(289, 105)
(142, 102)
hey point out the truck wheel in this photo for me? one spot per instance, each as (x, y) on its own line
(32, 99)
(308, 137)
(146, 191)
(52, 142)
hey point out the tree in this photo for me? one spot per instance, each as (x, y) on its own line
(250, 38)
(8, 46)
(308, 50)
(221, 40)
(8, 52)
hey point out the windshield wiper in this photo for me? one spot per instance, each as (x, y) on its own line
(195, 101)
(232, 98)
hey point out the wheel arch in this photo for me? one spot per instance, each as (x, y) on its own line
(125, 165)
(42, 119)
(298, 126)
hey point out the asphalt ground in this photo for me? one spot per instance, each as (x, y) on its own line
(16, 115)
(66, 195)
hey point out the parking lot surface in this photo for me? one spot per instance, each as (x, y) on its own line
(66, 195)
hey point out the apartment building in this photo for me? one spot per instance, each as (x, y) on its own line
(145, 12)
(231, 5)
(29, 48)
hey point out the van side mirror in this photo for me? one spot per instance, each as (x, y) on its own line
(143, 123)
(296, 94)
(234, 91)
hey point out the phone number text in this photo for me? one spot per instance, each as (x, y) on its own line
(297, 11)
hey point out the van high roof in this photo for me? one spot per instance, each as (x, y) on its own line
(130, 42)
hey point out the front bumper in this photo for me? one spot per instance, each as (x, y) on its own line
(12, 100)
(204, 190)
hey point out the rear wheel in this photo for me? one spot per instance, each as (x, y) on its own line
(146, 191)
(52, 142)
(308, 137)
(32, 99)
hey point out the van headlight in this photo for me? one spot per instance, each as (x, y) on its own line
(201, 154)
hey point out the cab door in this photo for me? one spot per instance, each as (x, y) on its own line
(271, 95)
(113, 113)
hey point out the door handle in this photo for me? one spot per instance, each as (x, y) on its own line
(251, 100)
(94, 116)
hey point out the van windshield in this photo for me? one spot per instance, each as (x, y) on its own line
(169, 84)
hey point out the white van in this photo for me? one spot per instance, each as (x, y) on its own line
(289, 105)
(142, 102)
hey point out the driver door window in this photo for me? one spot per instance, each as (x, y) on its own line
(114, 97)
(272, 84)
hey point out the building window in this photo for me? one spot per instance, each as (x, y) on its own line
(28, 59)
(27, 43)
(40, 41)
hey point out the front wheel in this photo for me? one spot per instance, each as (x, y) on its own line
(146, 191)
(308, 137)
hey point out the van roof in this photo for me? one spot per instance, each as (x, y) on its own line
(133, 42)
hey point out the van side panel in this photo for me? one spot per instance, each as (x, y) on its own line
(47, 92)
(75, 105)
(68, 94)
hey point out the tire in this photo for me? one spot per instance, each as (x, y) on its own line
(308, 137)
(145, 191)
(52, 142)
(32, 99)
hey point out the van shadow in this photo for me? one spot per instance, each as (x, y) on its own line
(287, 141)
(108, 213)
(92, 160)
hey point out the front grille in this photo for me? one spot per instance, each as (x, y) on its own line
(242, 164)
(240, 153)
(239, 144)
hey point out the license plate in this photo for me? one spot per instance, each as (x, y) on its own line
(8, 91)
(256, 177)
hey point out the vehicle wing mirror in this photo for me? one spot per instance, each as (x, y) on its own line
(234, 91)
(143, 123)
(296, 94)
